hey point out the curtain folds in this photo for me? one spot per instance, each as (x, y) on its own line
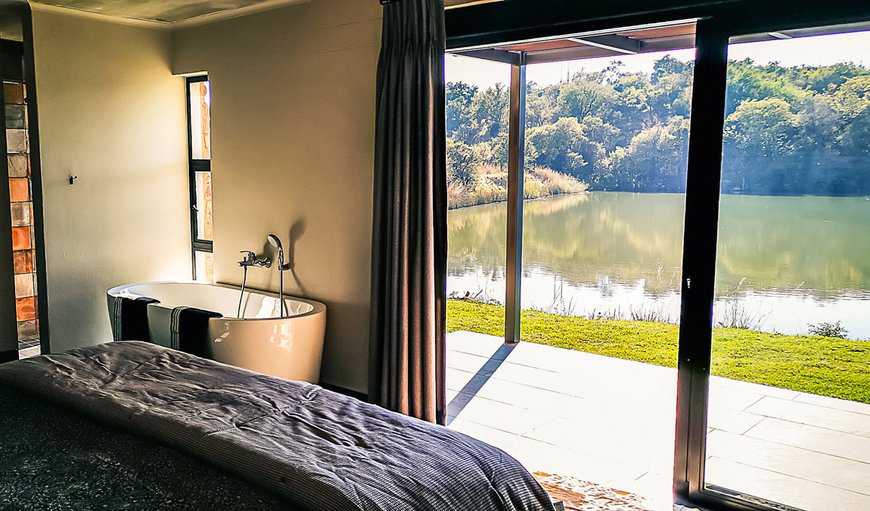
(409, 234)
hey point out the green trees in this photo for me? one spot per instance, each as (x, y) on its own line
(563, 145)
(788, 130)
(764, 128)
(852, 102)
(654, 160)
(461, 163)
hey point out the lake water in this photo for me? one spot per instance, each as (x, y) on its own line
(783, 262)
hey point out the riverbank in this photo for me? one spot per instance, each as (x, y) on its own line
(488, 184)
(818, 365)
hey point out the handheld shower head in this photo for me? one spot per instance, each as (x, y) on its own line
(275, 241)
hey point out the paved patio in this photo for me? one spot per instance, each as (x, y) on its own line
(606, 420)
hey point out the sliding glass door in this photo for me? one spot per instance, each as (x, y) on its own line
(788, 418)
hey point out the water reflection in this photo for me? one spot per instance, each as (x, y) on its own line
(787, 261)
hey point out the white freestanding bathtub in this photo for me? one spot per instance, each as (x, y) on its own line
(262, 341)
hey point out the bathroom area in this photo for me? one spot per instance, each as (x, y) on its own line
(169, 156)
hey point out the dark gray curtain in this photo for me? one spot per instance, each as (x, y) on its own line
(409, 235)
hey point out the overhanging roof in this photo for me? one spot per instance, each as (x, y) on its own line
(631, 41)
(678, 35)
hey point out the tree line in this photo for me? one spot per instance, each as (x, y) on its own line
(801, 130)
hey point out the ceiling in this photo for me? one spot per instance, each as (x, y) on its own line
(168, 11)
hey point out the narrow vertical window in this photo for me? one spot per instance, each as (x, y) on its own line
(199, 150)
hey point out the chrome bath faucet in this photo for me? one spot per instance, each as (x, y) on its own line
(251, 259)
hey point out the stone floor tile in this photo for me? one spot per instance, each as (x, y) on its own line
(501, 416)
(732, 399)
(829, 402)
(731, 420)
(783, 488)
(472, 363)
(456, 380)
(821, 440)
(532, 398)
(800, 463)
(814, 415)
(737, 385)
(474, 343)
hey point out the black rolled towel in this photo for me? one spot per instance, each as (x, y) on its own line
(130, 318)
(190, 330)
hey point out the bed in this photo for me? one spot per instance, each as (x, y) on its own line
(135, 425)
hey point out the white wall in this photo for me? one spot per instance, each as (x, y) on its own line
(293, 113)
(112, 113)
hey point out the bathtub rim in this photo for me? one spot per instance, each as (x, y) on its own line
(318, 307)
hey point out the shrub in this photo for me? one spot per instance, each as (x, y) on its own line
(488, 183)
(828, 330)
(735, 314)
(461, 163)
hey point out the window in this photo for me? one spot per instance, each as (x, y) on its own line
(199, 168)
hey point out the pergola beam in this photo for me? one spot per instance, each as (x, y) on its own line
(505, 57)
(614, 43)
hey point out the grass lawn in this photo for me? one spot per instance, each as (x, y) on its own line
(818, 365)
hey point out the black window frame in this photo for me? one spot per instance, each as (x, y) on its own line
(714, 37)
(194, 166)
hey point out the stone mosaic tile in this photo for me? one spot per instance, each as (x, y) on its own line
(28, 352)
(16, 141)
(24, 285)
(25, 308)
(22, 261)
(15, 117)
(20, 214)
(17, 165)
(13, 93)
(19, 189)
(21, 238)
(28, 329)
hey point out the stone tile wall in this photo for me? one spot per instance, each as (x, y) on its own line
(21, 198)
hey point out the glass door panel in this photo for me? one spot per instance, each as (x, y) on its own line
(477, 110)
(789, 400)
(604, 185)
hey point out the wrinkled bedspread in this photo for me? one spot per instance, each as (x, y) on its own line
(318, 449)
(53, 459)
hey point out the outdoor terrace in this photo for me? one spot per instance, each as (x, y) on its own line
(611, 421)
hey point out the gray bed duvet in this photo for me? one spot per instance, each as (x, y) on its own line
(52, 459)
(316, 449)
